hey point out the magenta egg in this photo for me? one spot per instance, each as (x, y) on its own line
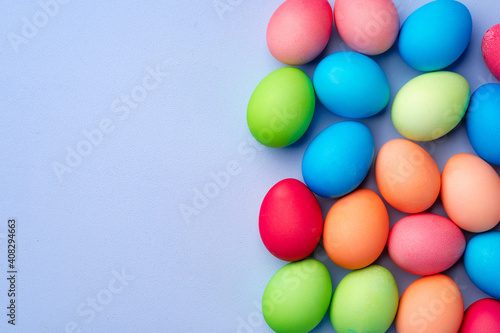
(482, 316)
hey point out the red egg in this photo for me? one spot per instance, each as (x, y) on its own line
(490, 48)
(482, 316)
(425, 244)
(290, 220)
(299, 30)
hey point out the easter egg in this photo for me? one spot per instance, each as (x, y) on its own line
(425, 244)
(367, 26)
(482, 262)
(338, 159)
(365, 301)
(482, 316)
(290, 220)
(430, 105)
(470, 191)
(351, 85)
(483, 122)
(407, 176)
(490, 47)
(281, 107)
(435, 35)
(430, 304)
(299, 30)
(356, 229)
(297, 297)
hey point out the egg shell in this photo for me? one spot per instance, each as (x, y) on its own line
(430, 304)
(281, 107)
(297, 297)
(356, 229)
(483, 122)
(365, 301)
(470, 192)
(435, 35)
(490, 47)
(290, 220)
(407, 176)
(425, 244)
(367, 26)
(351, 85)
(338, 159)
(430, 105)
(299, 30)
(482, 316)
(482, 262)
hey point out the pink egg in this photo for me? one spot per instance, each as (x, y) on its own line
(482, 316)
(367, 26)
(425, 244)
(299, 30)
(491, 50)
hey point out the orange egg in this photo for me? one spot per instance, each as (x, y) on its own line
(430, 304)
(356, 229)
(470, 193)
(407, 176)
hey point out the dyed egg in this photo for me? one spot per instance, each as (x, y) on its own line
(470, 191)
(435, 35)
(407, 176)
(338, 159)
(351, 85)
(425, 244)
(281, 107)
(430, 304)
(490, 48)
(482, 316)
(430, 105)
(297, 297)
(369, 27)
(299, 30)
(365, 301)
(290, 220)
(356, 229)
(483, 122)
(482, 262)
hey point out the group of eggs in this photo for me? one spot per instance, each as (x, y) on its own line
(357, 229)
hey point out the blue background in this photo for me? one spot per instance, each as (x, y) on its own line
(118, 210)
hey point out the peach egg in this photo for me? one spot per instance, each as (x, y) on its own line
(356, 229)
(470, 192)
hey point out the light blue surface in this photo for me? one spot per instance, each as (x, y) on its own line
(483, 122)
(338, 159)
(137, 207)
(351, 85)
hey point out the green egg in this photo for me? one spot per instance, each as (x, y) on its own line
(297, 297)
(281, 107)
(365, 301)
(430, 105)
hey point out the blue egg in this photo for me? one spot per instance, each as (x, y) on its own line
(435, 35)
(483, 122)
(351, 85)
(338, 159)
(482, 262)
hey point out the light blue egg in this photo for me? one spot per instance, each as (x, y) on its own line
(482, 262)
(351, 85)
(435, 35)
(338, 159)
(483, 122)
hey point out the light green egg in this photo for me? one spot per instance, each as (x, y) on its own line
(281, 107)
(297, 297)
(430, 105)
(365, 301)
